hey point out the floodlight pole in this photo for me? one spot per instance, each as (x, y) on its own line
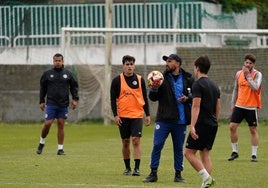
(108, 62)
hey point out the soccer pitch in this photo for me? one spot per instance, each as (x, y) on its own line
(94, 159)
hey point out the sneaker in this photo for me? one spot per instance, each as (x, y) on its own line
(233, 156)
(208, 182)
(178, 178)
(60, 152)
(136, 172)
(151, 178)
(127, 172)
(40, 148)
(254, 158)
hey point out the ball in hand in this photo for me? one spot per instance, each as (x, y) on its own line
(155, 79)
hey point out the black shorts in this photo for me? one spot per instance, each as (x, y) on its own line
(206, 136)
(251, 116)
(131, 127)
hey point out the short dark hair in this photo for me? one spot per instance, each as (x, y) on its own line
(251, 57)
(203, 63)
(58, 55)
(128, 58)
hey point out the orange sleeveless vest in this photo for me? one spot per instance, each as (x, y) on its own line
(246, 96)
(130, 102)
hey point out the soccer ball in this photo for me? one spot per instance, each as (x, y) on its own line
(155, 78)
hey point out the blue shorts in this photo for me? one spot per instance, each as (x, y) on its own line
(55, 112)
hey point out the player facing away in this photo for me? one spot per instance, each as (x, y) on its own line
(204, 121)
(55, 85)
(246, 100)
(129, 102)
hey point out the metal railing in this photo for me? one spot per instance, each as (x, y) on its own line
(34, 25)
(41, 25)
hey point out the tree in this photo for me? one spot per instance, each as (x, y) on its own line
(242, 6)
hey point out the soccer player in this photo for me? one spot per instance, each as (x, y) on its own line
(246, 100)
(204, 121)
(129, 102)
(173, 114)
(55, 85)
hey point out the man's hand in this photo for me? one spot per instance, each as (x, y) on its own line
(183, 98)
(193, 133)
(147, 120)
(42, 106)
(245, 71)
(117, 120)
(155, 85)
(74, 104)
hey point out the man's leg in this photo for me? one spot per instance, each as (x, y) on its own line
(60, 124)
(254, 142)
(234, 140)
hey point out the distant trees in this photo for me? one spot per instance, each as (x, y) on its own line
(241, 6)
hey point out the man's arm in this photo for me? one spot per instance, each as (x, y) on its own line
(218, 108)
(145, 98)
(194, 115)
(256, 82)
(74, 88)
(114, 94)
(43, 89)
(234, 94)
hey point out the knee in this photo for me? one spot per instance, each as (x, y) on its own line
(125, 142)
(136, 141)
(233, 127)
(253, 130)
(186, 154)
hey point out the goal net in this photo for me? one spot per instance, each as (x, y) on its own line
(94, 54)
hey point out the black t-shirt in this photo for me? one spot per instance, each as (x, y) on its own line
(209, 93)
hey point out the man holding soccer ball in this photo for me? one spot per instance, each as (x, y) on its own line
(173, 114)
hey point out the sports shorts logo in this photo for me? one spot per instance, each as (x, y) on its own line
(157, 126)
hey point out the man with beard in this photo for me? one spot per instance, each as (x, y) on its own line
(173, 114)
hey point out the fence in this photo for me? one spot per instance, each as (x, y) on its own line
(41, 25)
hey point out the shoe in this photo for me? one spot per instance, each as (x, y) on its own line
(40, 148)
(151, 178)
(60, 152)
(254, 158)
(136, 172)
(233, 156)
(127, 172)
(208, 182)
(178, 178)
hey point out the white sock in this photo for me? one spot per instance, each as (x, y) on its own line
(254, 150)
(235, 147)
(60, 146)
(205, 175)
(42, 140)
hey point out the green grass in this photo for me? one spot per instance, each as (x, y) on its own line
(94, 159)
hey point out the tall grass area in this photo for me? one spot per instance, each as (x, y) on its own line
(94, 159)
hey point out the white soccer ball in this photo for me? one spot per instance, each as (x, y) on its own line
(155, 79)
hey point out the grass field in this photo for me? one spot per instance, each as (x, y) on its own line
(94, 159)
